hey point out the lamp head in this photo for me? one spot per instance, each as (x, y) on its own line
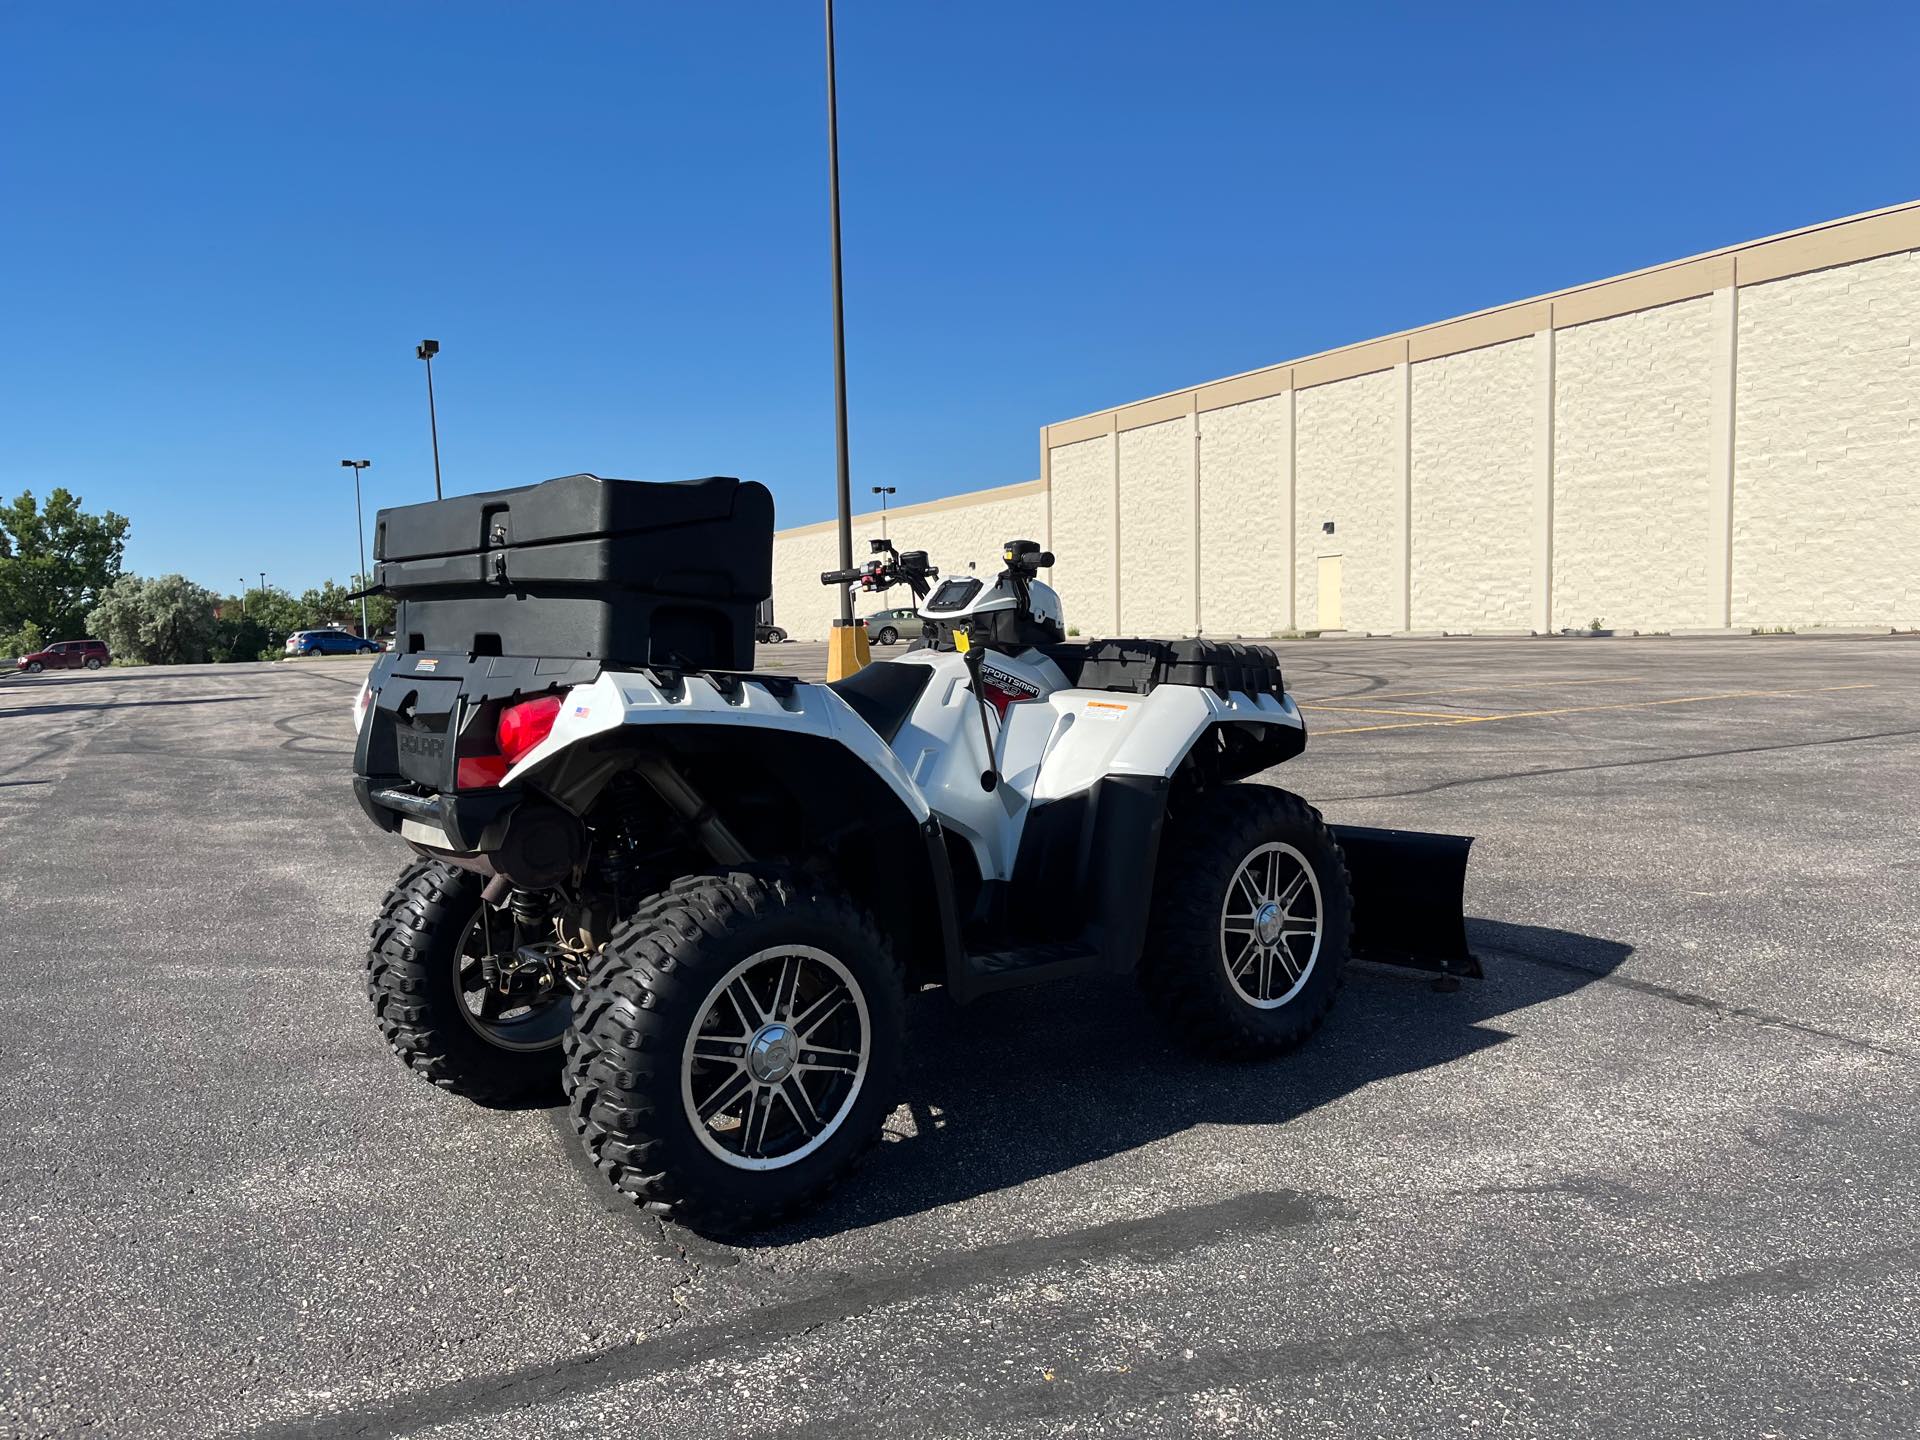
(426, 349)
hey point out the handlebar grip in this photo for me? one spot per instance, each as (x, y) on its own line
(839, 577)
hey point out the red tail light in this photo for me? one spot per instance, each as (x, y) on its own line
(525, 725)
(479, 772)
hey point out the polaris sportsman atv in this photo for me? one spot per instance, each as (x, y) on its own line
(695, 897)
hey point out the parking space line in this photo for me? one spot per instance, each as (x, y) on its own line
(1516, 685)
(1379, 710)
(1595, 709)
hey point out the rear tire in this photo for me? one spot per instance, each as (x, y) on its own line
(94, 664)
(888, 635)
(688, 1005)
(1252, 918)
(414, 970)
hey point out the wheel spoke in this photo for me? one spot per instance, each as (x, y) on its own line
(795, 1096)
(820, 1011)
(1272, 890)
(843, 1061)
(785, 988)
(726, 1049)
(1293, 890)
(752, 1013)
(1284, 953)
(1240, 959)
(725, 1093)
(753, 1130)
(1265, 981)
(1244, 879)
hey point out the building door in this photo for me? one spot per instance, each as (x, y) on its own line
(1329, 583)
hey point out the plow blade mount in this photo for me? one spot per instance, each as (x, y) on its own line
(1409, 898)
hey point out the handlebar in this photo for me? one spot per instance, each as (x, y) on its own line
(910, 569)
(1025, 558)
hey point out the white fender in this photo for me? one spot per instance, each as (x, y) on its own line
(629, 699)
(1102, 733)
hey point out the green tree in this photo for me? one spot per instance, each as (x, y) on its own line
(55, 562)
(379, 607)
(164, 621)
(238, 636)
(23, 641)
(328, 605)
(275, 611)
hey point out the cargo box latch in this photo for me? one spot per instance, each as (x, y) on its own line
(497, 556)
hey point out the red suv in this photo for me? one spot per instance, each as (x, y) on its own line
(66, 655)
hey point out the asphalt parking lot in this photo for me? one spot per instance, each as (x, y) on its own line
(1655, 1175)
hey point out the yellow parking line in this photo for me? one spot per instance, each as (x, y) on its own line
(1517, 685)
(1376, 710)
(1594, 709)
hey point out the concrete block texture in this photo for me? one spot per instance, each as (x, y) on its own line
(1345, 453)
(1631, 469)
(1473, 501)
(1826, 504)
(1083, 532)
(952, 536)
(1244, 516)
(1156, 529)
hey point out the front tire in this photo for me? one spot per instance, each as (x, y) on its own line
(888, 635)
(34, 667)
(735, 1049)
(435, 1005)
(1251, 923)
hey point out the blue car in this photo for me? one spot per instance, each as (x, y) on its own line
(329, 642)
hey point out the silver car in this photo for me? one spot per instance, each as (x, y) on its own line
(886, 627)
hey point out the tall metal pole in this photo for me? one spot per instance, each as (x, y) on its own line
(433, 424)
(845, 491)
(360, 534)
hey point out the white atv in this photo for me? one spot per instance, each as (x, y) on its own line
(696, 897)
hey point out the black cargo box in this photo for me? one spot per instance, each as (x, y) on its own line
(627, 571)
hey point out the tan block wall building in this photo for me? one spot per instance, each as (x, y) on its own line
(1727, 441)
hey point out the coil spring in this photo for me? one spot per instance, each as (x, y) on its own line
(530, 907)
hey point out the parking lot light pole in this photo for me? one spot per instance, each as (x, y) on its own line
(847, 651)
(360, 534)
(426, 350)
(883, 491)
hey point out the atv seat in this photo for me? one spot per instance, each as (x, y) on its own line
(1137, 666)
(883, 695)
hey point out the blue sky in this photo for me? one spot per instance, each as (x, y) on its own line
(224, 227)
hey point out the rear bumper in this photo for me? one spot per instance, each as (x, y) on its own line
(472, 822)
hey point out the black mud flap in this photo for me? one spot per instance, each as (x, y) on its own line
(1409, 898)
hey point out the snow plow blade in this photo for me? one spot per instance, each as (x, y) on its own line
(1409, 898)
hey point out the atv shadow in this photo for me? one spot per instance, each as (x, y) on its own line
(1026, 1084)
